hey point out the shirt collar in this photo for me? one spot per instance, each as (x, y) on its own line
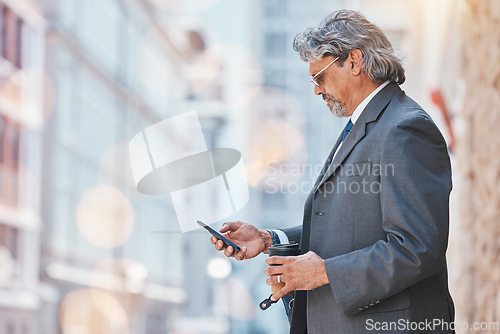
(359, 109)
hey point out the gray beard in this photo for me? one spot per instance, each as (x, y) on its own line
(337, 109)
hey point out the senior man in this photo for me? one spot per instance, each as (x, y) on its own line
(375, 225)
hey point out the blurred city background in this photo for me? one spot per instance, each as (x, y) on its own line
(81, 251)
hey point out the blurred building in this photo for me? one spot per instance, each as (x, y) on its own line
(115, 71)
(21, 111)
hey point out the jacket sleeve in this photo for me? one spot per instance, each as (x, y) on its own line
(415, 212)
(293, 233)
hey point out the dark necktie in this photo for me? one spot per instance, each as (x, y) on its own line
(347, 129)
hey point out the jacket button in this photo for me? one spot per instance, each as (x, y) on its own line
(371, 304)
(320, 213)
(365, 307)
(360, 309)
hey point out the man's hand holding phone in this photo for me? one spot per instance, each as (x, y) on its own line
(252, 240)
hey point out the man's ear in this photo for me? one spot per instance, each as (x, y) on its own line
(356, 61)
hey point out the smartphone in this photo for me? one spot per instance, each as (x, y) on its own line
(219, 236)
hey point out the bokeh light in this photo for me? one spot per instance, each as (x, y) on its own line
(277, 153)
(219, 268)
(277, 142)
(105, 216)
(91, 311)
(11, 90)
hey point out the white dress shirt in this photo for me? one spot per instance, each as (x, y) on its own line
(361, 107)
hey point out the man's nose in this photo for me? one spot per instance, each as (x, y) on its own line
(318, 90)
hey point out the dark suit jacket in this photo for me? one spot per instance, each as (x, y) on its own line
(379, 215)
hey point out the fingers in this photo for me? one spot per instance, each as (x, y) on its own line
(241, 254)
(281, 293)
(230, 226)
(228, 250)
(225, 227)
(288, 286)
(213, 239)
(276, 260)
(274, 270)
(275, 280)
(218, 244)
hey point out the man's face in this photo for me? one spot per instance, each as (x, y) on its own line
(333, 85)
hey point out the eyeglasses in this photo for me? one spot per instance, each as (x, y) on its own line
(313, 78)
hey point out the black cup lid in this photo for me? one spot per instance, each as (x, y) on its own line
(284, 250)
(281, 246)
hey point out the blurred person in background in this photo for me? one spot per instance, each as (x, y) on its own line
(375, 226)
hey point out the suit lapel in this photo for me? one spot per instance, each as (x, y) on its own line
(358, 131)
(328, 162)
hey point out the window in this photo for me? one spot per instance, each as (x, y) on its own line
(276, 8)
(275, 44)
(9, 155)
(18, 56)
(11, 27)
(3, 25)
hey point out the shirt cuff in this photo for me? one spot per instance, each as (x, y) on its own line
(282, 236)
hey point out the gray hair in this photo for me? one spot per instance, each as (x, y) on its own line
(346, 30)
